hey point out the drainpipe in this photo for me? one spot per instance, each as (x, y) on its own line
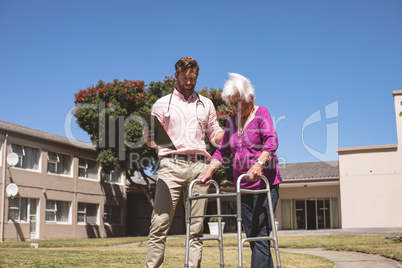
(3, 190)
(74, 220)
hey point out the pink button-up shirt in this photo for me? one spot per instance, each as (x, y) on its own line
(188, 123)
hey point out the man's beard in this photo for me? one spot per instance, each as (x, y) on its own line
(182, 88)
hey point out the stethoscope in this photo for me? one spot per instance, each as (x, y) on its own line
(167, 113)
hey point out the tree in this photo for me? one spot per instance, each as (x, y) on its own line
(109, 113)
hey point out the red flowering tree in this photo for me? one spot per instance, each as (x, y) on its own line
(107, 112)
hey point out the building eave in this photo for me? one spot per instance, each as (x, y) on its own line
(296, 180)
(397, 92)
(368, 149)
(13, 128)
(300, 184)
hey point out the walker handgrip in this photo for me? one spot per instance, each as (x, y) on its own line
(247, 175)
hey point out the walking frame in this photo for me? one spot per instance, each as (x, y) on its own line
(218, 195)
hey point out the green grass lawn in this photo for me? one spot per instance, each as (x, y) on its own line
(100, 253)
(134, 257)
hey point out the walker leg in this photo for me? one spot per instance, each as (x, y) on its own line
(220, 231)
(188, 221)
(239, 229)
(274, 233)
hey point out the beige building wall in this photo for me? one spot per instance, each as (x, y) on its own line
(371, 182)
(42, 186)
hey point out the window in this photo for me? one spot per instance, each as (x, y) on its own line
(28, 157)
(59, 163)
(57, 211)
(286, 212)
(112, 214)
(87, 213)
(335, 212)
(21, 209)
(114, 176)
(88, 169)
(18, 209)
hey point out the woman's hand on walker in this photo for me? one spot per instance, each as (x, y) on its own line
(255, 172)
(205, 178)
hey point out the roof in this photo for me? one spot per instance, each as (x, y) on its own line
(312, 171)
(44, 135)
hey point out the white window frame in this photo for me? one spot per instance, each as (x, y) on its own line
(55, 210)
(108, 215)
(20, 210)
(56, 162)
(51, 161)
(1, 152)
(86, 169)
(109, 177)
(85, 213)
(21, 156)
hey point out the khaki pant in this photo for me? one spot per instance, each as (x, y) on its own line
(174, 178)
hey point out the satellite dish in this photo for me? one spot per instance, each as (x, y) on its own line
(12, 159)
(12, 190)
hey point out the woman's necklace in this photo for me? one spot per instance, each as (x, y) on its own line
(240, 129)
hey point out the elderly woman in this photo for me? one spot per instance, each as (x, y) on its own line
(250, 139)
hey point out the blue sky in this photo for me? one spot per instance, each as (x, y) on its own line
(325, 69)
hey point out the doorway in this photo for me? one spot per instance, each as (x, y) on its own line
(33, 219)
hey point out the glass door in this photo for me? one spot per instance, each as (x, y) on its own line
(33, 218)
(311, 214)
(323, 213)
(299, 214)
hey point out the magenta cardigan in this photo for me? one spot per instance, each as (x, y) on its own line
(259, 135)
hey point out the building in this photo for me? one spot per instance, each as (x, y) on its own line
(362, 190)
(371, 181)
(61, 191)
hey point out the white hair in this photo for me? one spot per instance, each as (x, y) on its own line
(238, 84)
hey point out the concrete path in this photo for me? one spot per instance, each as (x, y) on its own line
(348, 259)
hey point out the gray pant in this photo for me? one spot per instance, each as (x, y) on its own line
(174, 177)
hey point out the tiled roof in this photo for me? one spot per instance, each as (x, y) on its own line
(43, 135)
(310, 171)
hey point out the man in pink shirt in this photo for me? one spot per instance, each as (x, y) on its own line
(187, 117)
